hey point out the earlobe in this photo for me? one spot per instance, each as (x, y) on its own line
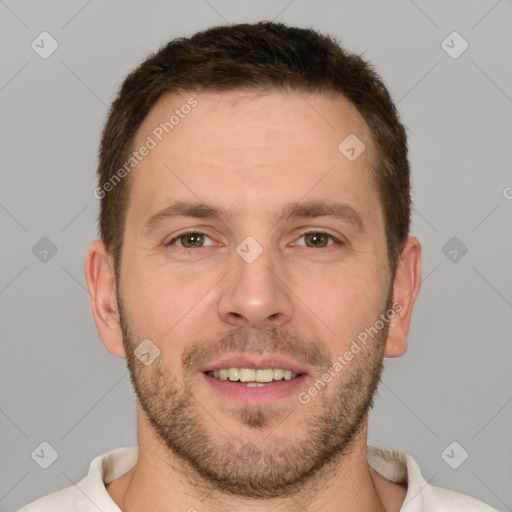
(405, 290)
(100, 278)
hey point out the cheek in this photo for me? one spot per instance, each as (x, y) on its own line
(170, 306)
(345, 301)
(155, 299)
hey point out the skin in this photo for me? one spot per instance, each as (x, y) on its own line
(232, 150)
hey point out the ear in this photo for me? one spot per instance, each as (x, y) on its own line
(100, 278)
(405, 290)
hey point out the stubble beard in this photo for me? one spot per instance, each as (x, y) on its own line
(270, 465)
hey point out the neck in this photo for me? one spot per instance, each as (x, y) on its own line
(160, 479)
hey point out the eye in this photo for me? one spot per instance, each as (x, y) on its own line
(318, 239)
(189, 240)
(196, 240)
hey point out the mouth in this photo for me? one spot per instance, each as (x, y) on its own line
(248, 381)
(251, 377)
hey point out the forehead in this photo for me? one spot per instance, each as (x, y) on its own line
(252, 147)
(280, 117)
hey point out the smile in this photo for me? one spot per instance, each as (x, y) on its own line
(252, 377)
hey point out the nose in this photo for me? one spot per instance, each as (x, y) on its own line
(255, 294)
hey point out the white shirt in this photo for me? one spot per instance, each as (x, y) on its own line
(90, 494)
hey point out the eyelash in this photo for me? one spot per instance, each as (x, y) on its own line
(316, 232)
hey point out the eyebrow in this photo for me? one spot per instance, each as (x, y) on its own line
(292, 211)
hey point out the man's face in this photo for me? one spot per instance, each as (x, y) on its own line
(247, 289)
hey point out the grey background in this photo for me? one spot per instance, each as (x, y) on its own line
(58, 384)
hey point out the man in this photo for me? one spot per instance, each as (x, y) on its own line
(255, 267)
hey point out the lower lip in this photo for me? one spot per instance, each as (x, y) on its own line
(262, 395)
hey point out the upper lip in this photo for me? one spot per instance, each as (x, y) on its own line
(254, 362)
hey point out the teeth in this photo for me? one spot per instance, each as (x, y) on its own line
(266, 375)
(251, 375)
(233, 373)
(278, 374)
(247, 375)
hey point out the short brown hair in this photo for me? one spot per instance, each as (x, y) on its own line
(259, 56)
